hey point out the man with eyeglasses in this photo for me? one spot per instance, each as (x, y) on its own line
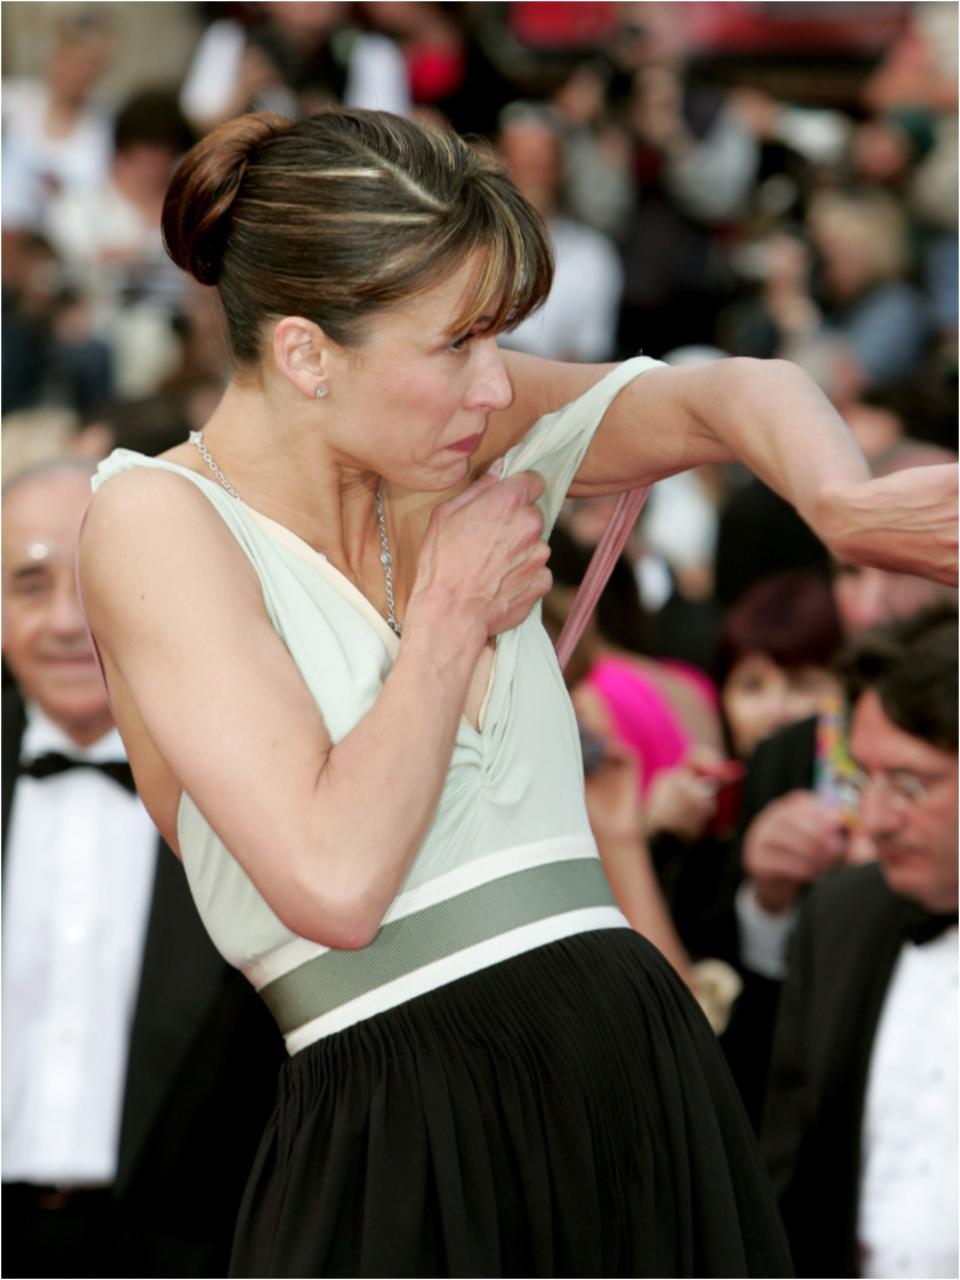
(794, 827)
(860, 1127)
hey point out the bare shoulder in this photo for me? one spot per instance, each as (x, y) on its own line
(539, 387)
(149, 530)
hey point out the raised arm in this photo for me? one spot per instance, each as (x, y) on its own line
(769, 415)
(325, 831)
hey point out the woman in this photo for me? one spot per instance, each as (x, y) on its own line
(774, 660)
(319, 631)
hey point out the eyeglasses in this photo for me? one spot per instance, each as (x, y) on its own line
(902, 788)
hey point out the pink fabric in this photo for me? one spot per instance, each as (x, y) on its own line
(642, 716)
(606, 553)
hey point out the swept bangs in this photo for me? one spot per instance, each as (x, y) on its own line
(516, 263)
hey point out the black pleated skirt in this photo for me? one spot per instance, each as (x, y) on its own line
(564, 1113)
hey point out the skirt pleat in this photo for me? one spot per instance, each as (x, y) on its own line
(564, 1113)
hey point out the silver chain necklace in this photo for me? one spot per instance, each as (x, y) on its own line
(386, 559)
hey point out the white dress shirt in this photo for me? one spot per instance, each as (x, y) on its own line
(908, 1186)
(80, 861)
(764, 937)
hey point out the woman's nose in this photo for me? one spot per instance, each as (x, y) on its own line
(491, 388)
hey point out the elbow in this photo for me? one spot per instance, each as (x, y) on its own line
(344, 921)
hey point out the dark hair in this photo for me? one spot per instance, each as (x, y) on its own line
(153, 118)
(344, 214)
(791, 618)
(619, 614)
(911, 665)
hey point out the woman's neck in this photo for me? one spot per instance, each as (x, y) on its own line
(281, 467)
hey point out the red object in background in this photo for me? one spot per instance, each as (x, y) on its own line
(557, 25)
(722, 26)
(435, 73)
(789, 27)
(728, 778)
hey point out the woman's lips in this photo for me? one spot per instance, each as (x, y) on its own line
(467, 445)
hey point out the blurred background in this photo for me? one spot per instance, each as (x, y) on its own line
(718, 179)
(759, 179)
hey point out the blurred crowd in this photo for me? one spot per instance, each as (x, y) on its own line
(694, 216)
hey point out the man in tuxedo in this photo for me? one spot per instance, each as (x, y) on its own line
(860, 1126)
(791, 835)
(138, 1068)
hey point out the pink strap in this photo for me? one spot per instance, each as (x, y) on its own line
(625, 516)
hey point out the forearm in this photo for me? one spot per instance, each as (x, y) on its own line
(378, 788)
(626, 861)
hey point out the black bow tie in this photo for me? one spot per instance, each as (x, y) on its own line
(54, 762)
(922, 926)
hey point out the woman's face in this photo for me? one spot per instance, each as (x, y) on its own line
(759, 697)
(411, 403)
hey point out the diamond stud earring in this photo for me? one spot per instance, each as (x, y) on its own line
(320, 392)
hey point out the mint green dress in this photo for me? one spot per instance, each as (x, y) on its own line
(508, 1080)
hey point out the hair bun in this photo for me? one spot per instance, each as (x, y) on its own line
(204, 188)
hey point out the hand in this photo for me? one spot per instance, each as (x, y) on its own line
(905, 522)
(681, 801)
(483, 557)
(791, 843)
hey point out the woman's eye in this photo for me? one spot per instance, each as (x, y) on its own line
(460, 344)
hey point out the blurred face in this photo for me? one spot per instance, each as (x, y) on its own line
(875, 430)
(412, 402)
(759, 697)
(868, 597)
(845, 268)
(309, 18)
(908, 812)
(532, 154)
(882, 151)
(45, 641)
(78, 66)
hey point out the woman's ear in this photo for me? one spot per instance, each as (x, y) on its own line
(303, 353)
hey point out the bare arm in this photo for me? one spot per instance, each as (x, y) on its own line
(326, 832)
(769, 415)
(616, 818)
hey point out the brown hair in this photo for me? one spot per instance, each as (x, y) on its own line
(911, 665)
(789, 617)
(343, 214)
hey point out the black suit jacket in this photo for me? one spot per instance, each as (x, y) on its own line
(201, 1075)
(843, 955)
(780, 764)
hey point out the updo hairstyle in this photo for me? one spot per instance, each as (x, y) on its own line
(346, 213)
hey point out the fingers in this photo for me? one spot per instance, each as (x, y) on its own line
(487, 481)
(485, 549)
(797, 838)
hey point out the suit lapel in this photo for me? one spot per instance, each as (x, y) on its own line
(181, 978)
(863, 975)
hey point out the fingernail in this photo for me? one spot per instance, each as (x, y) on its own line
(496, 469)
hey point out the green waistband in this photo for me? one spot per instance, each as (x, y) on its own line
(333, 978)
